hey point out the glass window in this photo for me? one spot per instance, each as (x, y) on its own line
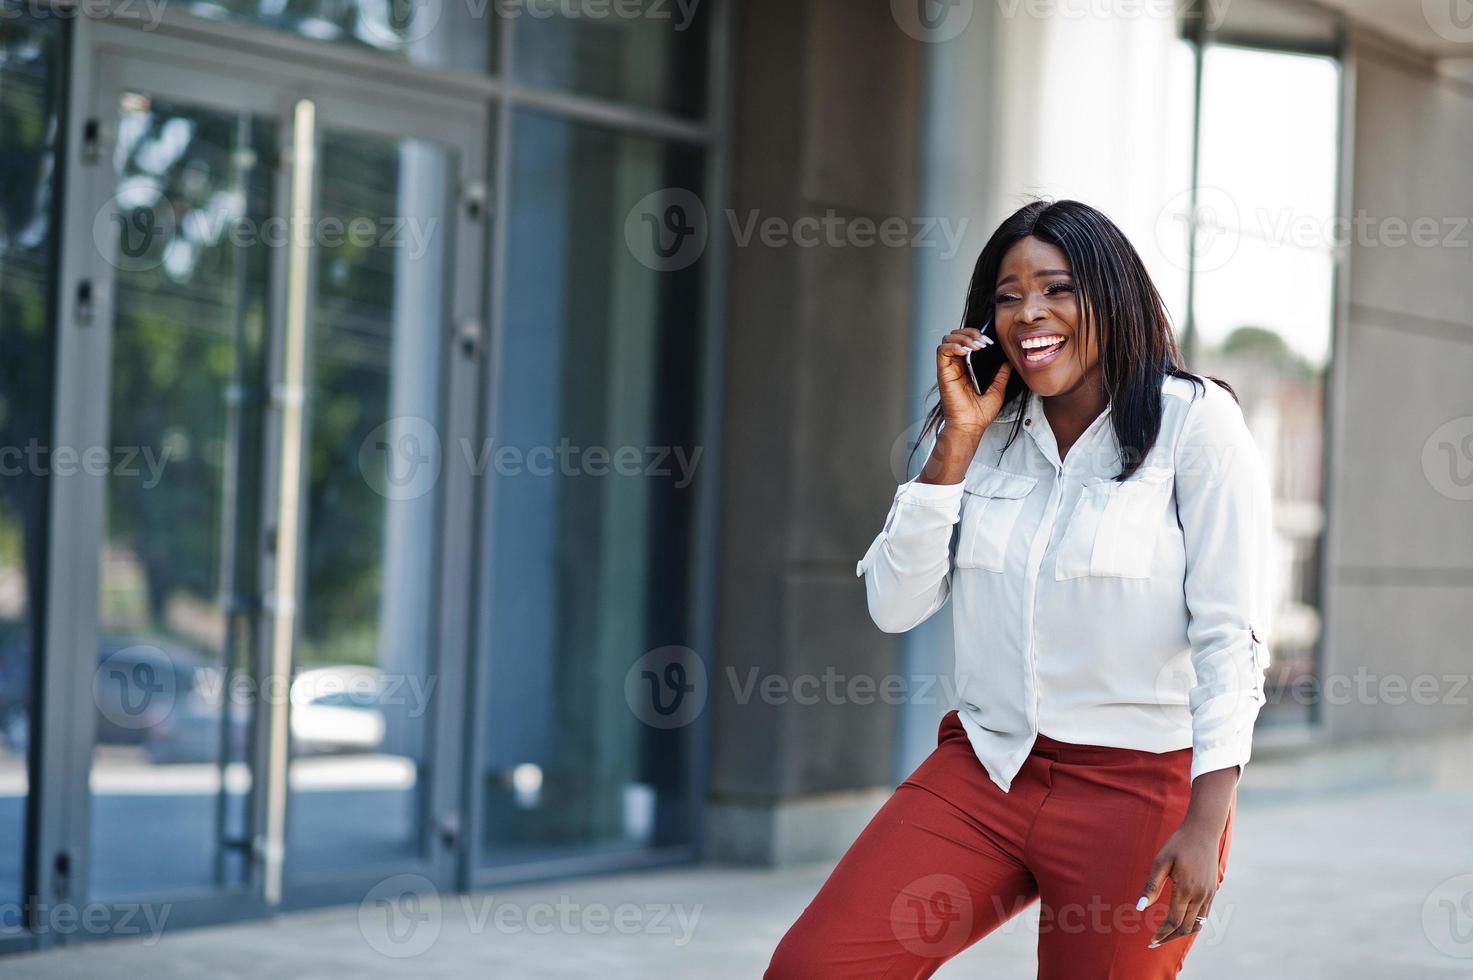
(649, 53)
(1265, 238)
(30, 67)
(593, 464)
(434, 33)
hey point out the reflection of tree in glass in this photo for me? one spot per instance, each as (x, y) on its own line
(354, 323)
(187, 365)
(380, 24)
(29, 91)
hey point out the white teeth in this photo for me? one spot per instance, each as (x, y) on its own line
(1042, 342)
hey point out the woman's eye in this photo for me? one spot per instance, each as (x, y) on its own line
(1058, 287)
(1005, 298)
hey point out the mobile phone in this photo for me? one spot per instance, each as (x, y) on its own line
(992, 352)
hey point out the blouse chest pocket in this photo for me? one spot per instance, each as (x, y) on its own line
(1113, 529)
(992, 499)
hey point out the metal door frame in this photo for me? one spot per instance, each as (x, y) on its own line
(205, 64)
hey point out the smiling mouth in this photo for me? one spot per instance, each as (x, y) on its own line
(1038, 351)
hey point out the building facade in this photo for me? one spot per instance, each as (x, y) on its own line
(438, 437)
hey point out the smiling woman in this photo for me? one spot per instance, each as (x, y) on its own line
(1107, 590)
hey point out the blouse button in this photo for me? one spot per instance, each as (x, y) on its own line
(1027, 421)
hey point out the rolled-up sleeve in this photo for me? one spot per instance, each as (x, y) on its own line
(1224, 505)
(907, 569)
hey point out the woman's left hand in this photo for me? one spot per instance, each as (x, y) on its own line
(1190, 859)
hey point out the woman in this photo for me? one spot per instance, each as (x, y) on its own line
(1099, 518)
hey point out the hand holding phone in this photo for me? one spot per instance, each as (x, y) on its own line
(972, 375)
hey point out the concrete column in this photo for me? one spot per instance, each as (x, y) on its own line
(1399, 559)
(818, 346)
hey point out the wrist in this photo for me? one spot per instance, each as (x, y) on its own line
(951, 455)
(1202, 822)
(1212, 796)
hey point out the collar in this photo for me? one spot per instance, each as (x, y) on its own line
(1038, 429)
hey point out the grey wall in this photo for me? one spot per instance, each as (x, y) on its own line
(1400, 550)
(826, 116)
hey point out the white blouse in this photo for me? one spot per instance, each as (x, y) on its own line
(1123, 614)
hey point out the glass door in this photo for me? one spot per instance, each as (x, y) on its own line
(184, 306)
(275, 341)
(368, 665)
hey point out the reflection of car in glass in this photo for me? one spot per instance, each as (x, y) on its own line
(333, 709)
(337, 709)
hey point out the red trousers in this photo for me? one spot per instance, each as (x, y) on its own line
(950, 857)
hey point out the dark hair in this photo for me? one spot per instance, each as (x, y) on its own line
(1113, 292)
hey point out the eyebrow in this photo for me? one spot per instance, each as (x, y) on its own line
(1041, 272)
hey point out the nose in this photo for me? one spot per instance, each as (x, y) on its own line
(1033, 309)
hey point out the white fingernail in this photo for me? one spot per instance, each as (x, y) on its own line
(1141, 905)
(1152, 945)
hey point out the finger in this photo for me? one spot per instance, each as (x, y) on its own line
(1175, 914)
(1182, 918)
(955, 350)
(1155, 881)
(1000, 380)
(968, 337)
(1189, 924)
(1204, 913)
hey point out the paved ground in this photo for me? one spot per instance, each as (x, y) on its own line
(1347, 865)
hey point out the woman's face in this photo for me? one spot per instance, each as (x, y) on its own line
(1037, 320)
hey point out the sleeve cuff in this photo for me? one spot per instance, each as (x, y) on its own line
(930, 494)
(1221, 757)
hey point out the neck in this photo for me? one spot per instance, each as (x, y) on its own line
(1069, 413)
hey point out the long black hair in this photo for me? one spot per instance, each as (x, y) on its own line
(1114, 295)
